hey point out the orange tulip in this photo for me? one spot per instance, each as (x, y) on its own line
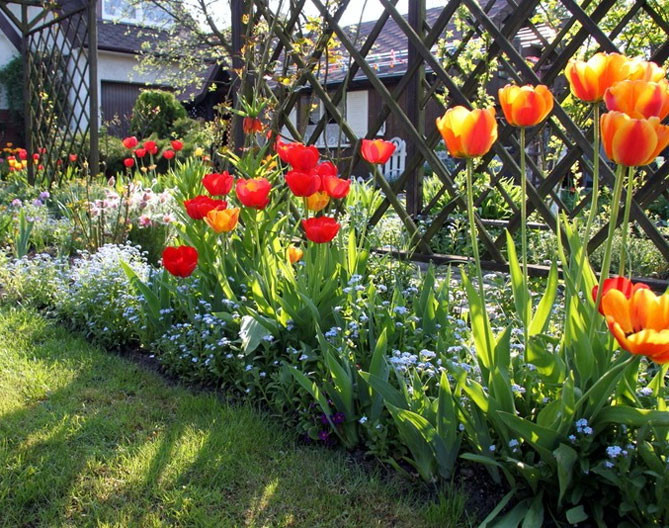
(622, 284)
(640, 324)
(318, 201)
(633, 142)
(525, 106)
(376, 150)
(639, 99)
(641, 70)
(223, 220)
(589, 80)
(468, 133)
(294, 254)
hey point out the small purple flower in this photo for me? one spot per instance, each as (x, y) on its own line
(44, 195)
(16, 202)
(323, 436)
(338, 418)
(37, 202)
(324, 419)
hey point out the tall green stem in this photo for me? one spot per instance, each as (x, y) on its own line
(263, 262)
(523, 236)
(606, 263)
(474, 241)
(626, 220)
(595, 192)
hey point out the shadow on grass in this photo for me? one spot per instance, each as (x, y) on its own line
(106, 443)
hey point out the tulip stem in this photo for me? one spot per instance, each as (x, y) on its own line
(523, 237)
(595, 192)
(474, 241)
(606, 263)
(626, 219)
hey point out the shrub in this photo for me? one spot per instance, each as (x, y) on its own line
(155, 112)
(98, 299)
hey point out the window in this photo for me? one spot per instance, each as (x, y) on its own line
(354, 108)
(141, 13)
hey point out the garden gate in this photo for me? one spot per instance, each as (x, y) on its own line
(59, 49)
(455, 51)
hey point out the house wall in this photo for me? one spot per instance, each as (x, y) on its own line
(119, 68)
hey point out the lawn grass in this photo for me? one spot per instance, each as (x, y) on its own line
(90, 439)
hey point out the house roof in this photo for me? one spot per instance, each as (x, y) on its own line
(126, 38)
(389, 56)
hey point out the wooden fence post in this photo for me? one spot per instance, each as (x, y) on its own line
(415, 108)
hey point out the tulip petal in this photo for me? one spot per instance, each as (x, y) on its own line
(633, 143)
(616, 306)
(650, 343)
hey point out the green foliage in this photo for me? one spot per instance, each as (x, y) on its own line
(155, 112)
(11, 78)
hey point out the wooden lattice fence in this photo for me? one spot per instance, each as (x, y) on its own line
(59, 50)
(493, 29)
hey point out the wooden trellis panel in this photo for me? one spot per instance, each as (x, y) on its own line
(496, 26)
(59, 49)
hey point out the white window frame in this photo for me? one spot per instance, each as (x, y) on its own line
(341, 139)
(138, 20)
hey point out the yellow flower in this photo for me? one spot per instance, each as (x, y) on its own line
(198, 152)
(317, 201)
(294, 254)
(222, 220)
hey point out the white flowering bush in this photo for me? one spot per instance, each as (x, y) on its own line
(98, 296)
(39, 281)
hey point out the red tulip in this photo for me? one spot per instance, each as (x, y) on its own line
(303, 183)
(168, 154)
(140, 152)
(198, 207)
(218, 184)
(23, 154)
(320, 229)
(377, 150)
(622, 284)
(301, 158)
(335, 187)
(128, 162)
(253, 192)
(36, 157)
(251, 125)
(130, 142)
(177, 145)
(327, 168)
(151, 147)
(180, 261)
(73, 157)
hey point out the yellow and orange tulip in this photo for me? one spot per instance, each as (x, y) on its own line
(222, 220)
(639, 323)
(318, 201)
(639, 99)
(294, 254)
(468, 133)
(588, 80)
(632, 142)
(642, 70)
(525, 106)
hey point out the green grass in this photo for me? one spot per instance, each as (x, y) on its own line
(90, 439)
